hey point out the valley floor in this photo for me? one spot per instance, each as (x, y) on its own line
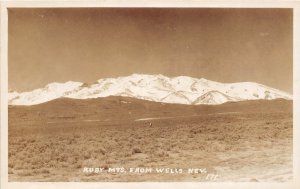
(238, 146)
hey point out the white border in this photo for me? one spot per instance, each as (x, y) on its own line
(147, 3)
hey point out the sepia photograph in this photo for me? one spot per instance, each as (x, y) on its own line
(150, 94)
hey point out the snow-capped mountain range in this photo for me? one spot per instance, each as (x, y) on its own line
(158, 88)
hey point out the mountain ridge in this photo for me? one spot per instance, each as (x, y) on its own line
(157, 88)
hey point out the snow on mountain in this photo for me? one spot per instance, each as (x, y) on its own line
(158, 88)
(50, 92)
(214, 97)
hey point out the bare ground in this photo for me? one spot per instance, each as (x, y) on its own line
(238, 142)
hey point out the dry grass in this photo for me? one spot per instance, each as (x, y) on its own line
(53, 142)
(224, 144)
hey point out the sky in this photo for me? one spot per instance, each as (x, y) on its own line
(87, 44)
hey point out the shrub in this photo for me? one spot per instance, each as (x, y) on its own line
(136, 150)
(25, 173)
(10, 171)
(45, 171)
(10, 165)
(77, 165)
(86, 155)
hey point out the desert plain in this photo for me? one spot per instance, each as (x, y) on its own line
(234, 142)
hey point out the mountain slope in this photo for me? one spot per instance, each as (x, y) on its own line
(214, 97)
(157, 88)
(116, 109)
